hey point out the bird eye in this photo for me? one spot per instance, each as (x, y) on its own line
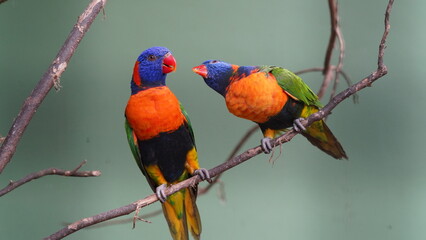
(152, 57)
(214, 61)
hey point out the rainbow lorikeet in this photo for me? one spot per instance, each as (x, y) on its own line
(162, 141)
(273, 97)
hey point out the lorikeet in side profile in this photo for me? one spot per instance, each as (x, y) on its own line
(162, 142)
(273, 97)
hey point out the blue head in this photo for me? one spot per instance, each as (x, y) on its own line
(151, 68)
(216, 74)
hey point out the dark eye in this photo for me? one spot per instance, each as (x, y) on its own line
(214, 61)
(152, 57)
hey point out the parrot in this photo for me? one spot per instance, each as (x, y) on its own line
(274, 98)
(162, 142)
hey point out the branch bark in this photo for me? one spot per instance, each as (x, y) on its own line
(248, 154)
(334, 34)
(50, 171)
(49, 79)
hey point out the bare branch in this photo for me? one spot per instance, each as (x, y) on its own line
(327, 71)
(125, 220)
(341, 56)
(250, 153)
(366, 82)
(49, 79)
(50, 171)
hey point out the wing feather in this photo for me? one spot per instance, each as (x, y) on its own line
(293, 85)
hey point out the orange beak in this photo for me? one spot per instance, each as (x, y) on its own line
(200, 70)
(169, 63)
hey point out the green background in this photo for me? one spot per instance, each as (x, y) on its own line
(378, 194)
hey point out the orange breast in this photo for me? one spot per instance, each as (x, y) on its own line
(153, 111)
(256, 97)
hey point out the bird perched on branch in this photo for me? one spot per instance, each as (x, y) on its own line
(273, 97)
(162, 141)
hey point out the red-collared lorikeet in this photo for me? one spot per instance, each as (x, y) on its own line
(273, 97)
(161, 139)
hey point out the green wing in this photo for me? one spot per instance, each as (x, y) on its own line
(187, 123)
(131, 138)
(294, 85)
(133, 143)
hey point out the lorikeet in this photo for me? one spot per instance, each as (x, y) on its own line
(161, 139)
(273, 97)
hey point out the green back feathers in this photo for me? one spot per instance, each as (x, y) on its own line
(293, 85)
(188, 123)
(131, 138)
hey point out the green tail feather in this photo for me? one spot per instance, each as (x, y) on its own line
(181, 211)
(321, 136)
(192, 216)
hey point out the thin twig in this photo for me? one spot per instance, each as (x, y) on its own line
(50, 171)
(49, 79)
(339, 66)
(308, 70)
(327, 71)
(367, 81)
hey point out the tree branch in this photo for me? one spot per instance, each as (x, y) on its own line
(250, 153)
(335, 33)
(49, 79)
(50, 171)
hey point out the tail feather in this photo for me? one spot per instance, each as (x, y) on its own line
(181, 212)
(174, 211)
(321, 136)
(192, 215)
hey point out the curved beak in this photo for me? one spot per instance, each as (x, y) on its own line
(200, 70)
(169, 63)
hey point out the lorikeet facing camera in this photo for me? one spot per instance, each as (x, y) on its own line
(162, 141)
(273, 97)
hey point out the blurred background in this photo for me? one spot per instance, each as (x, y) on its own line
(378, 194)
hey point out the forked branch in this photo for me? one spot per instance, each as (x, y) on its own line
(248, 154)
(49, 79)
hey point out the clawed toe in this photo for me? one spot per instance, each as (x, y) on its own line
(266, 145)
(161, 195)
(298, 126)
(204, 174)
